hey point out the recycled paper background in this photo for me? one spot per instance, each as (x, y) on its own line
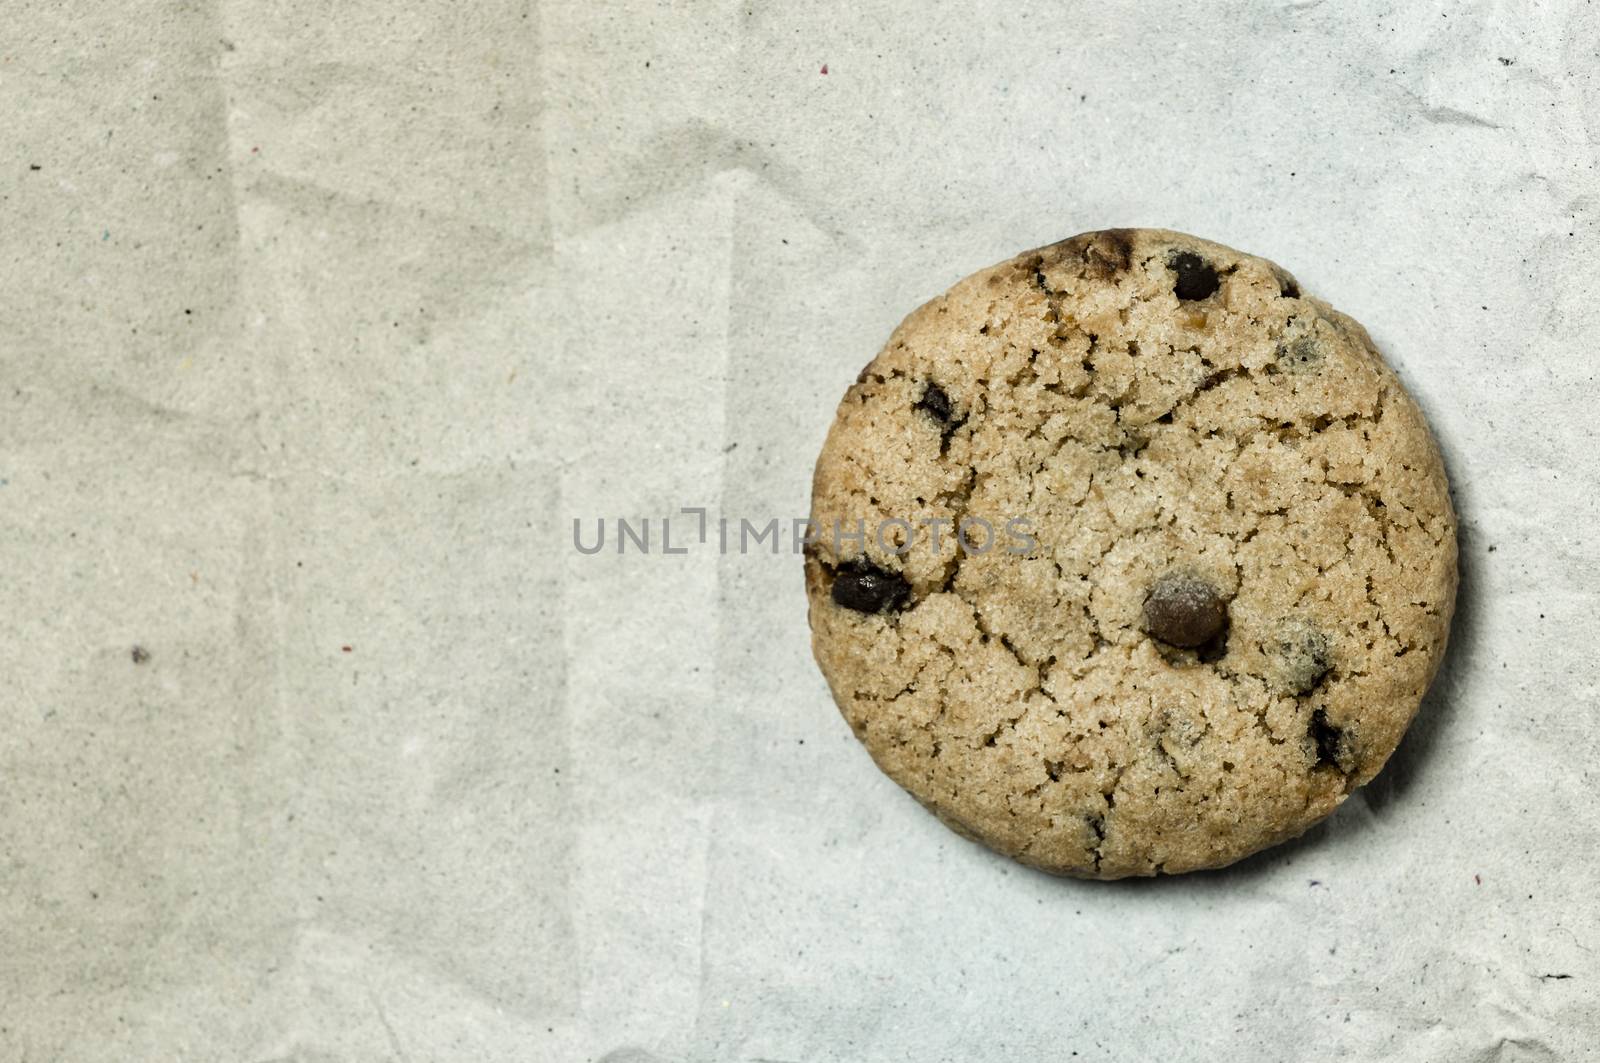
(320, 324)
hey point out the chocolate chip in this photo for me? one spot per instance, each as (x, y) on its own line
(1302, 656)
(1328, 739)
(936, 404)
(1184, 610)
(1196, 278)
(866, 588)
(1299, 354)
(1288, 288)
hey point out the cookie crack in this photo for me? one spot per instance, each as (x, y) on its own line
(1036, 263)
(1100, 822)
(958, 501)
(990, 635)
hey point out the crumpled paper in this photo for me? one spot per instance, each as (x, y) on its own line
(320, 325)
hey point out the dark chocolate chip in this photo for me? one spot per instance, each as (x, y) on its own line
(1328, 739)
(936, 404)
(1288, 288)
(1303, 656)
(1299, 354)
(866, 588)
(1196, 278)
(1184, 610)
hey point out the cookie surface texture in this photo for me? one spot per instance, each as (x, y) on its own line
(1129, 557)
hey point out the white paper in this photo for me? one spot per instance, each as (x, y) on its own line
(320, 324)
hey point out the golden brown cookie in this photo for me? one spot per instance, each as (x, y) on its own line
(1130, 558)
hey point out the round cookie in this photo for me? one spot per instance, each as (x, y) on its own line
(1129, 558)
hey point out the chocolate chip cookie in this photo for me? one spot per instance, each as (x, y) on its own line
(1129, 557)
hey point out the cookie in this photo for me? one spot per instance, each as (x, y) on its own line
(1128, 557)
